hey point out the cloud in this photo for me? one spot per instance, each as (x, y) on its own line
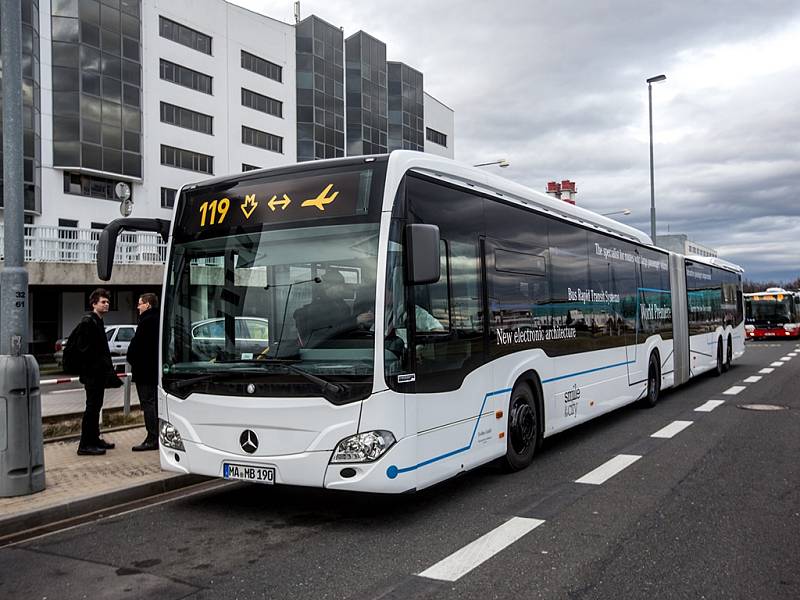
(558, 88)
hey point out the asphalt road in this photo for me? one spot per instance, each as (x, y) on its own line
(711, 512)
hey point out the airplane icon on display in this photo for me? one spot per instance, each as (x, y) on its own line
(321, 200)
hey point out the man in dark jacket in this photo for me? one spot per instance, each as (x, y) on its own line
(96, 374)
(143, 358)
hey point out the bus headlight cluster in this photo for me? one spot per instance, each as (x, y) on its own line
(363, 447)
(170, 437)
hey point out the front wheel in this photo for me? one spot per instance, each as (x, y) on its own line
(653, 383)
(523, 428)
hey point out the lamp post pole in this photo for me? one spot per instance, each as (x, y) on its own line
(650, 83)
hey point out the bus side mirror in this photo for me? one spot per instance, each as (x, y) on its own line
(107, 244)
(422, 254)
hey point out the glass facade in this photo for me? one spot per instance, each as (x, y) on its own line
(31, 111)
(406, 108)
(97, 84)
(320, 90)
(367, 122)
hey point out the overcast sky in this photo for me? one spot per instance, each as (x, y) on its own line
(558, 88)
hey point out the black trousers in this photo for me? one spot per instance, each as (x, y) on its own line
(149, 403)
(90, 426)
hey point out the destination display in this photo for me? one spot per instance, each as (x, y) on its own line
(251, 204)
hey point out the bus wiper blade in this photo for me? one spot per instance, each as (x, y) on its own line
(179, 385)
(325, 386)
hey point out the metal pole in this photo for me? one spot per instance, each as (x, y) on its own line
(14, 277)
(652, 185)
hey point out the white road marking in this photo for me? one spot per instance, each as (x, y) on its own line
(766, 370)
(470, 556)
(709, 406)
(776, 364)
(608, 469)
(733, 390)
(786, 359)
(753, 379)
(792, 354)
(672, 429)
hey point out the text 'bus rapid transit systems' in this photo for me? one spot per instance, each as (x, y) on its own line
(772, 313)
(383, 323)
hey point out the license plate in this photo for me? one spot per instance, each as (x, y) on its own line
(249, 473)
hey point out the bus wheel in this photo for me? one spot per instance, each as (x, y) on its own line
(523, 428)
(653, 383)
(720, 362)
(728, 355)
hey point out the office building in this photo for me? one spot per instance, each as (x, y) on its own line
(158, 94)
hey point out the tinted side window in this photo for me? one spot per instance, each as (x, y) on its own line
(448, 338)
(655, 299)
(703, 298)
(569, 286)
(613, 281)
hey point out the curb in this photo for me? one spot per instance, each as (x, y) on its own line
(38, 519)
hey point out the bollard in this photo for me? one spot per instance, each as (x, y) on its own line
(126, 388)
(21, 445)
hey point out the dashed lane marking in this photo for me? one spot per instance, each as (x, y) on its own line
(672, 429)
(470, 556)
(753, 379)
(766, 370)
(785, 359)
(792, 354)
(776, 364)
(733, 390)
(608, 469)
(709, 406)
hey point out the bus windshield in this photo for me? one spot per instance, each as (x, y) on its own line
(762, 310)
(285, 308)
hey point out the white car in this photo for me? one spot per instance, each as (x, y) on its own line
(119, 338)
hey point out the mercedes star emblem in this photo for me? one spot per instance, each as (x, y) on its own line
(251, 389)
(248, 441)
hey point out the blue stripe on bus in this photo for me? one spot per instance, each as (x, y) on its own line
(393, 471)
(568, 375)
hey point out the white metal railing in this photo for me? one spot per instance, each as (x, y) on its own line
(49, 243)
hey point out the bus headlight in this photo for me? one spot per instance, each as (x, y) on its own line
(791, 327)
(749, 328)
(170, 437)
(363, 447)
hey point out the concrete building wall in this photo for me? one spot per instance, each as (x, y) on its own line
(440, 118)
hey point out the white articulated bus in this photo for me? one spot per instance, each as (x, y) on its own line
(414, 318)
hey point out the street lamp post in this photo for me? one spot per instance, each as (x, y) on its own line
(650, 83)
(502, 163)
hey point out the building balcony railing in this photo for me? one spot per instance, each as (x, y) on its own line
(48, 243)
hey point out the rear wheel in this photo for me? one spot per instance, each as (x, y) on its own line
(729, 354)
(653, 382)
(720, 369)
(523, 428)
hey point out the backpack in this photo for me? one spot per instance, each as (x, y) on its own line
(73, 358)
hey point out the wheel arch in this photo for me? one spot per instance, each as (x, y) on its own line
(533, 381)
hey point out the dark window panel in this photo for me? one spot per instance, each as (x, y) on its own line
(65, 8)
(131, 95)
(109, 18)
(132, 164)
(112, 160)
(65, 129)
(65, 80)
(65, 55)
(111, 112)
(112, 137)
(131, 119)
(90, 83)
(91, 131)
(110, 41)
(91, 108)
(66, 104)
(168, 197)
(66, 154)
(89, 11)
(90, 59)
(130, 49)
(130, 26)
(112, 89)
(184, 35)
(132, 141)
(65, 29)
(90, 34)
(131, 73)
(111, 66)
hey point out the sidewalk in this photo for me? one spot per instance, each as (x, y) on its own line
(77, 485)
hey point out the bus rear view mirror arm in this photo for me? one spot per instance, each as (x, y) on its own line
(107, 244)
(422, 259)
